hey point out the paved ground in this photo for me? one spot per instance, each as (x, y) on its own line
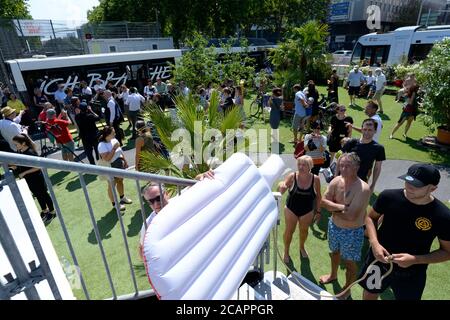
(388, 179)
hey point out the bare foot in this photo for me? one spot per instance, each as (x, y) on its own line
(304, 253)
(287, 259)
(327, 279)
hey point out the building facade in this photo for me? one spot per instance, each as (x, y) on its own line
(350, 19)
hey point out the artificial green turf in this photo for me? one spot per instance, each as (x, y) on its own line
(399, 148)
(73, 204)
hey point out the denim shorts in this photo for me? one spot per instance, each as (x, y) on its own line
(348, 242)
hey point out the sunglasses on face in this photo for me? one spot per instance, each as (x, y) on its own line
(153, 200)
(342, 110)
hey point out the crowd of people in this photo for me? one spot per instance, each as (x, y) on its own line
(351, 165)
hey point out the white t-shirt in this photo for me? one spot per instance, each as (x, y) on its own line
(380, 81)
(143, 230)
(105, 147)
(299, 108)
(370, 80)
(377, 135)
(134, 101)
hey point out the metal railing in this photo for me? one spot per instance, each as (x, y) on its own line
(25, 281)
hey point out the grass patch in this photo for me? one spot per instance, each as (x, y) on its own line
(398, 148)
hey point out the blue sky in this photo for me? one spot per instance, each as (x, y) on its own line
(72, 10)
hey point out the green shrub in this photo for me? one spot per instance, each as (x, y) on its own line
(434, 78)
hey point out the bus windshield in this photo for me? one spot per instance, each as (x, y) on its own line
(373, 56)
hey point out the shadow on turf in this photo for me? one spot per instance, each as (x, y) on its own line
(136, 223)
(104, 225)
(75, 184)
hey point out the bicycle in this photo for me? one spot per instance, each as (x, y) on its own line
(326, 111)
(258, 104)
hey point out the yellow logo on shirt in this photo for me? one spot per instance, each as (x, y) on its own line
(423, 224)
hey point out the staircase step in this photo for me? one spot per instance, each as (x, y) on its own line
(290, 286)
(246, 292)
(270, 291)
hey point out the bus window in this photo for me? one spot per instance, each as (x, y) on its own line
(356, 57)
(419, 51)
(373, 56)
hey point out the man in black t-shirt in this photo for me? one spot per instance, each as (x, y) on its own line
(368, 151)
(412, 219)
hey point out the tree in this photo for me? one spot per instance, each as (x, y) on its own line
(182, 137)
(303, 51)
(408, 15)
(179, 18)
(198, 66)
(201, 64)
(434, 77)
(14, 9)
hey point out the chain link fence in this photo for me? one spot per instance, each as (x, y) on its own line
(26, 38)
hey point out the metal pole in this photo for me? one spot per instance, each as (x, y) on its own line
(15, 258)
(144, 216)
(15, 191)
(54, 35)
(420, 12)
(122, 228)
(428, 16)
(97, 236)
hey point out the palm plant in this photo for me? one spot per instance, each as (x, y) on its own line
(193, 125)
(303, 50)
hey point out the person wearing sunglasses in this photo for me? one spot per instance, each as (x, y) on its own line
(157, 198)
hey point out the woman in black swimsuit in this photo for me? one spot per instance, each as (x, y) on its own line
(304, 189)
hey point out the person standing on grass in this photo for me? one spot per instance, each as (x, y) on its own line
(315, 146)
(340, 128)
(299, 119)
(346, 198)
(34, 178)
(111, 152)
(88, 132)
(409, 111)
(354, 81)
(113, 115)
(276, 105)
(368, 151)
(380, 86)
(303, 200)
(371, 112)
(412, 219)
(59, 129)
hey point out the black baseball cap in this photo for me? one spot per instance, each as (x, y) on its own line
(421, 175)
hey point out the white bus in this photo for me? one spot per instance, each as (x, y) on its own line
(46, 73)
(403, 44)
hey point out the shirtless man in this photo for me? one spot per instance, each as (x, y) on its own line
(346, 198)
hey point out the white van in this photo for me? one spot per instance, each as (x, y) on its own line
(401, 45)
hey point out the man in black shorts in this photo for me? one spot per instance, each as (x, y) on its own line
(412, 219)
(368, 151)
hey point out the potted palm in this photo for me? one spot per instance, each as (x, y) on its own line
(296, 59)
(434, 77)
(190, 119)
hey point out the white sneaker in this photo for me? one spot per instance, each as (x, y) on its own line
(125, 200)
